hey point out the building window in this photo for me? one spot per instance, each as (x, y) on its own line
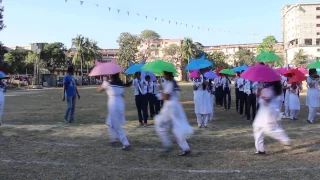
(308, 42)
(318, 17)
(318, 50)
(318, 33)
(318, 8)
(318, 25)
(158, 45)
(317, 41)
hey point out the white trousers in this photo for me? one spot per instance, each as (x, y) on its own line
(294, 114)
(202, 119)
(278, 134)
(312, 113)
(162, 131)
(280, 105)
(286, 111)
(118, 133)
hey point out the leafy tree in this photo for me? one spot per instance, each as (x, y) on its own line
(15, 61)
(1, 16)
(188, 50)
(53, 56)
(148, 35)
(2, 52)
(267, 44)
(218, 58)
(300, 58)
(172, 54)
(128, 48)
(243, 56)
(79, 44)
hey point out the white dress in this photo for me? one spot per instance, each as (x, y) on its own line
(313, 97)
(294, 102)
(173, 113)
(197, 97)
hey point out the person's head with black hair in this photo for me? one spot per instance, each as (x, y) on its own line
(313, 73)
(238, 73)
(168, 75)
(70, 70)
(277, 87)
(147, 78)
(262, 63)
(137, 75)
(115, 80)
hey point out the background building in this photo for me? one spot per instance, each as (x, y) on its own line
(301, 29)
(31, 46)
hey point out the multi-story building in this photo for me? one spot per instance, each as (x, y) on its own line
(301, 29)
(231, 49)
(31, 46)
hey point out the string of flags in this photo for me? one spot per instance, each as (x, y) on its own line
(163, 20)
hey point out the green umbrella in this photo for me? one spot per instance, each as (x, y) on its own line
(158, 66)
(267, 57)
(227, 71)
(314, 65)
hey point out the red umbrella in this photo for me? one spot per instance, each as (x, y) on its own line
(297, 78)
(303, 70)
(218, 71)
(293, 72)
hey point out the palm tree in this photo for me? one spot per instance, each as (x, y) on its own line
(80, 46)
(188, 50)
(300, 58)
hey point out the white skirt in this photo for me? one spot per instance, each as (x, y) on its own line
(197, 98)
(116, 112)
(313, 98)
(172, 112)
(294, 102)
(206, 103)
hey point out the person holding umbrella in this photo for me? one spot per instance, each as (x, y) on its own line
(116, 105)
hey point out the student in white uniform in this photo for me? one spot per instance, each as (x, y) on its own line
(116, 109)
(150, 95)
(172, 115)
(226, 83)
(294, 101)
(266, 122)
(219, 91)
(3, 88)
(241, 84)
(157, 104)
(141, 99)
(197, 98)
(286, 86)
(204, 109)
(312, 100)
(250, 89)
(237, 91)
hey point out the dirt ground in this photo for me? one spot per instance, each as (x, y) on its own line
(35, 144)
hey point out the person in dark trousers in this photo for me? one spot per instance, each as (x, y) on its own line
(150, 96)
(237, 92)
(251, 89)
(219, 91)
(157, 102)
(70, 90)
(242, 96)
(226, 82)
(141, 99)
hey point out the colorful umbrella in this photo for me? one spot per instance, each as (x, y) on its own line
(134, 68)
(314, 65)
(260, 73)
(106, 69)
(267, 57)
(227, 72)
(280, 70)
(292, 72)
(297, 78)
(2, 75)
(158, 66)
(303, 70)
(210, 75)
(194, 74)
(196, 64)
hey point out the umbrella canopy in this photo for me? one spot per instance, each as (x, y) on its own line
(260, 73)
(196, 64)
(158, 66)
(2, 75)
(227, 72)
(314, 65)
(267, 57)
(152, 75)
(134, 68)
(292, 72)
(194, 74)
(210, 75)
(303, 70)
(106, 69)
(297, 78)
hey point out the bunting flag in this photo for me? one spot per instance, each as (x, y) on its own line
(155, 18)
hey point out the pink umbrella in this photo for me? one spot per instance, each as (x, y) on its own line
(194, 74)
(260, 73)
(105, 69)
(280, 70)
(303, 70)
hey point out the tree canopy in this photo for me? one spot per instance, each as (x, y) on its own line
(267, 44)
(243, 56)
(1, 16)
(218, 58)
(53, 55)
(172, 54)
(300, 58)
(149, 35)
(128, 48)
(15, 61)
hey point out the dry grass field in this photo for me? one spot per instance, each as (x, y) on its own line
(35, 144)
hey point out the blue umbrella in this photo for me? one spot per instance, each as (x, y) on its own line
(244, 67)
(196, 64)
(2, 75)
(237, 69)
(135, 68)
(210, 75)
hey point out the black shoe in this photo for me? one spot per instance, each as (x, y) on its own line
(113, 143)
(260, 153)
(126, 148)
(167, 149)
(185, 153)
(0, 124)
